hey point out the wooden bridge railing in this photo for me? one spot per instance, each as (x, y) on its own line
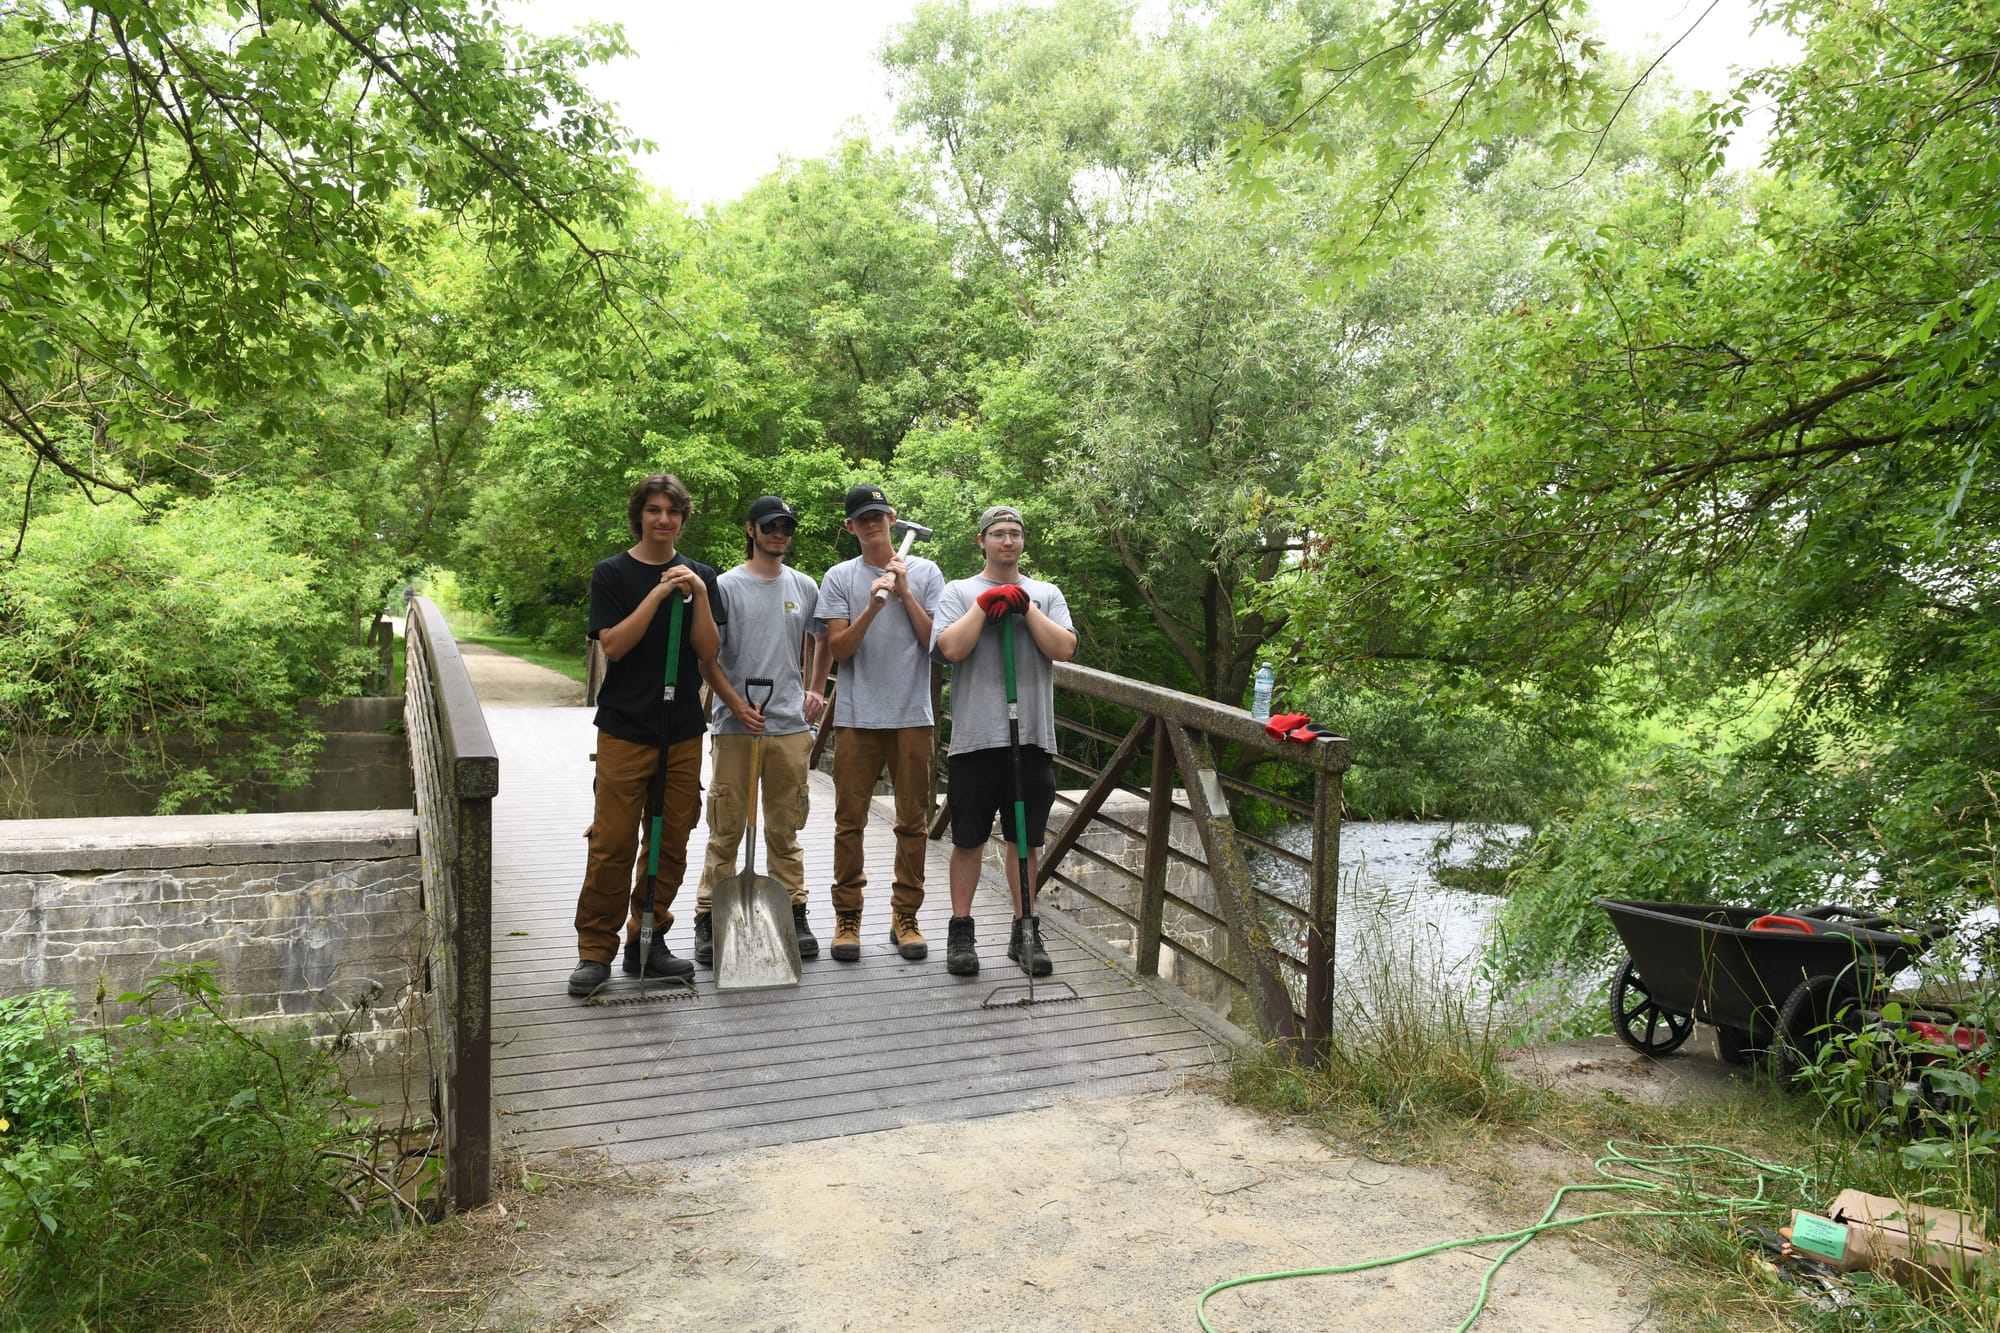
(457, 773)
(1279, 951)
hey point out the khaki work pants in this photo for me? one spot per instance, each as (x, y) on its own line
(614, 875)
(860, 754)
(787, 799)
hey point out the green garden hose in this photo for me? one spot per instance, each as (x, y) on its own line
(1665, 1170)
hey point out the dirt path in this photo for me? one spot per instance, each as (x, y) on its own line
(504, 681)
(1094, 1214)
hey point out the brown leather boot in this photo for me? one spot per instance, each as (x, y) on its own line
(846, 936)
(909, 941)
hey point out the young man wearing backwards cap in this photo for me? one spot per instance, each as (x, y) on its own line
(967, 634)
(877, 609)
(771, 613)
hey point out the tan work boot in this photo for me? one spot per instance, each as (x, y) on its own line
(846, 936)
(909, 941)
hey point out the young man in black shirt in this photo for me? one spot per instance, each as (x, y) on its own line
(629, 618)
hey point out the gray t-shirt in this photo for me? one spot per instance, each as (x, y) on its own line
(887, 683)
(979, 683)
(768, 622)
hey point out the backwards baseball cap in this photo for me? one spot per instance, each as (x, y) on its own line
(868, 500)
(1000, 514)
(767, 507)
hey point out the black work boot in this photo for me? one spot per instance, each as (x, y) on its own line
(660, 960)
(704, 940)
(960, 958)
(589, 978)
(808, 942)
(1041, 956)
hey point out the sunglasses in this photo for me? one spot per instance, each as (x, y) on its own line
(785, 525)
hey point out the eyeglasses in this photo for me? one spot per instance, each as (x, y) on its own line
(1006, 534)
(785, 525)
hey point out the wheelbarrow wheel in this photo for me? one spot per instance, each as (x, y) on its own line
(1819, 1008)
(1641, 1023)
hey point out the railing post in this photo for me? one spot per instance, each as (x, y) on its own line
(1325, 912)
(1159, 844)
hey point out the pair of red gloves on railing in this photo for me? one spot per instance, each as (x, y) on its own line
(1295, 727)
(1009, 599)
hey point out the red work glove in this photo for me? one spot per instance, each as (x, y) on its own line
(1284, 724)
(1307, 733)
(1007, 599)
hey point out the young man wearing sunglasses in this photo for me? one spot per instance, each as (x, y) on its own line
(770, 629)
(877, 611)
(981, 764)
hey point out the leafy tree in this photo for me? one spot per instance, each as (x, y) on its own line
(1739, 446)
(864, 296)
(199, 201)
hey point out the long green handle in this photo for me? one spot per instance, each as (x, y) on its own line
(1014, 737)
(666, 720)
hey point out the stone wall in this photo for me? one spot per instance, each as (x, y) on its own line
(313, 917)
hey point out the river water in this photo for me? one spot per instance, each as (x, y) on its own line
(1393, 912)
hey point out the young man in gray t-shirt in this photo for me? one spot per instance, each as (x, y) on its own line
(967, 634)
(773, 610)
(876, 610)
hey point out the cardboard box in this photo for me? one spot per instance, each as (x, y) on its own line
(1904, 1241)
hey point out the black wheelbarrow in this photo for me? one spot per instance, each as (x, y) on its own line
(1770, 983)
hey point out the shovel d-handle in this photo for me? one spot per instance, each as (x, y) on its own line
(754, 687)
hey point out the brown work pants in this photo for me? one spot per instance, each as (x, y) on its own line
(614, 876)
(787, 791)
(860, 754)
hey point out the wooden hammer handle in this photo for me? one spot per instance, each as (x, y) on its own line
(902, 553)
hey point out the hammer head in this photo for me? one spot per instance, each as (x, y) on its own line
(902, 528)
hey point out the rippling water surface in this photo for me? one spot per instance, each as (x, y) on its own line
(1391, 905)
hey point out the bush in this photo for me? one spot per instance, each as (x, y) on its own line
(191, 1144)
(47, 1065)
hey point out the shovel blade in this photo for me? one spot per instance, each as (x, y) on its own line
(756, 947)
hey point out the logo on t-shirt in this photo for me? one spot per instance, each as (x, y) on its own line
(791, 607)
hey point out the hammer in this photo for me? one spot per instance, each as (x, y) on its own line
(909, 532)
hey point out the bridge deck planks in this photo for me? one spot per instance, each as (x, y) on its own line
(854, 1048)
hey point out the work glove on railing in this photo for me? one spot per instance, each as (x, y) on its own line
(1007, 599)
(1284, 724)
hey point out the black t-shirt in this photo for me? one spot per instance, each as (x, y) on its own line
(630, 700)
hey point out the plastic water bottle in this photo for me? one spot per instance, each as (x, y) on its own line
(1260, 695)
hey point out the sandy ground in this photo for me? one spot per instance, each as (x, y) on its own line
(503, 681)
(1093, 1214)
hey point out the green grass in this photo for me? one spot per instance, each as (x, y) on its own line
(1428, 1088)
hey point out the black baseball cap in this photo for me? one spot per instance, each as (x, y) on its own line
(767, 507)
(867, 500)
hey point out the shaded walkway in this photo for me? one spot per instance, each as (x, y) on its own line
(856, 1047)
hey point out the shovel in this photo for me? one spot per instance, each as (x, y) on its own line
(756, 944)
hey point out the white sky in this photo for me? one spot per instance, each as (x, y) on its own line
(726, 90)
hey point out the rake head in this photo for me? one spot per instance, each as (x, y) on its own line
(661, 988)
(1021, 994)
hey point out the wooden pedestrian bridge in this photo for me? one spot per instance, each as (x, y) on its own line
(1177, 948)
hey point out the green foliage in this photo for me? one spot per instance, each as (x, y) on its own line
(195, 1143)
(196, 623)
(1423, 759)
(199, 210)
(48, 1065)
